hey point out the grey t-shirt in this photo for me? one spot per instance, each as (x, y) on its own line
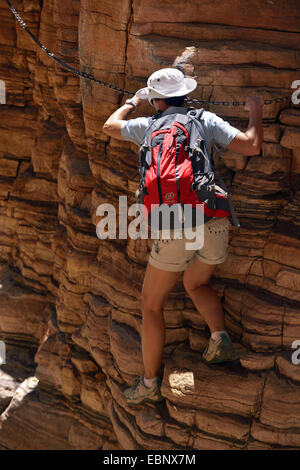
(215, 129)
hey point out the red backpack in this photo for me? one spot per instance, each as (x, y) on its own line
(176, 168)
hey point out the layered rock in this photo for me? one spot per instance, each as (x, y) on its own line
(70, 302)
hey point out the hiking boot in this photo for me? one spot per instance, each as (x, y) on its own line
(219, 350)
(139, 393)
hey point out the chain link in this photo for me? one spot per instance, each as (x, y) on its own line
(50, 54)
(122, 90)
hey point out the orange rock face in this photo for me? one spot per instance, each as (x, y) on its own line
(70, 303)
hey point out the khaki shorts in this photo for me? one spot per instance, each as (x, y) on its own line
(172, 255)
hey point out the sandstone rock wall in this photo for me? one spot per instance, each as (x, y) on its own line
(69, 302)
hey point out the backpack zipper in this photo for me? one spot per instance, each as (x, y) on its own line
(158, 174)
(176, 171)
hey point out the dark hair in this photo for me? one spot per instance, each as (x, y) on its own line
(175, 100)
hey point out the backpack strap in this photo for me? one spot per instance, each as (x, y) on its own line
(195, 115)
(151, 127)
(196, 132)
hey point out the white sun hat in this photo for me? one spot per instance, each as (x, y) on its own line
(166, 83)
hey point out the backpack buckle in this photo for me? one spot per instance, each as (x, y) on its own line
(192, 111)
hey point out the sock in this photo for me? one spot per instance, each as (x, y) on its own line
(150, 382)
(216, 334)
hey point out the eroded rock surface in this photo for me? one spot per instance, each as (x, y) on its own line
(70, 303)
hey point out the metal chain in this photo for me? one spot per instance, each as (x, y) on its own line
(50, 54)
(116, 88)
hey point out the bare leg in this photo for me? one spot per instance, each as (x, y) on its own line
(157, 285)
(196, 282)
